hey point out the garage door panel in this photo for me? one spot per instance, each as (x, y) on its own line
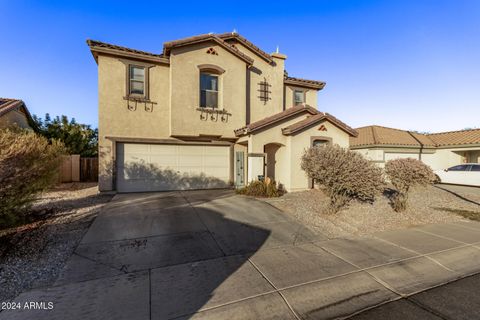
(163, 162)
(217, 150)
(175, 167)
(216, 161)
(136, 148)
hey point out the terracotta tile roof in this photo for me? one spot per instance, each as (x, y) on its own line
(254, 126)
(102, 47)
(318, 85)
(7, 105)
(99, 44)
(309, 121)
(461, 137)
(378, 135)
(235, 36)
(168, 46)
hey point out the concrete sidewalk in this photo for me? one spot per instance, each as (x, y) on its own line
(216, 255)
(456, 300)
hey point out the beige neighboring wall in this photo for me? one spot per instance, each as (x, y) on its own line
(311, 96)
(185, 93)
(14, 117)
(437, 158)
(117, 120)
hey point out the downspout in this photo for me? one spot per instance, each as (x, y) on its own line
(247, 93)
(421, 145)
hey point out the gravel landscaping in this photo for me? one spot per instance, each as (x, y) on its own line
(33, 254)
(426, 205)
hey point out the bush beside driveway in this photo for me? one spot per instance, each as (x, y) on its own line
(426, 205)
(33, 254)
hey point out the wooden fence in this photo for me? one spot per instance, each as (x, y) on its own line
(75, 169)
(89, 169)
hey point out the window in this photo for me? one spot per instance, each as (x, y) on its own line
(298, 97)
(475, 167)
(208, 90)
(320, 143)
(462, 167)
(137, 80)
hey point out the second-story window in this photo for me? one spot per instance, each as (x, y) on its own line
(208, 90)
(298, 97)
(137, 80)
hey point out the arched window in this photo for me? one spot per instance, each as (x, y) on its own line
(210, 85)
(320, 143)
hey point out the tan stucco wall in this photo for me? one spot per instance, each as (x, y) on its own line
(12, 118)
(288, 170)
(114, 117)
(437, 159)
(260, 71)
(310, 96)
(175, 90)
(300, 142)
(185, 93)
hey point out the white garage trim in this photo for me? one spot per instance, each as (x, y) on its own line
(162, 167)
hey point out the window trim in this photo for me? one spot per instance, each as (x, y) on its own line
(328, 140)
(131, 79)
(213, 70)
(146, 89)
(304, 91)
(207, 72)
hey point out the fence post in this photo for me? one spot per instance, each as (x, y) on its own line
(75, 167)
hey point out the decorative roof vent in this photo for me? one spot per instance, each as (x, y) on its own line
(212, 51)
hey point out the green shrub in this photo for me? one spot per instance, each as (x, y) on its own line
(28, 165)
(260, 189)
(344, 175)
(404, 174)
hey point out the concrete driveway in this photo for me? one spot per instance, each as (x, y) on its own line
(216, 255)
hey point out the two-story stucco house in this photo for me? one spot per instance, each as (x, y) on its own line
(210, 111)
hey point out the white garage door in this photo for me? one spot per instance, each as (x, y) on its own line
(392, 156)
(157, 167)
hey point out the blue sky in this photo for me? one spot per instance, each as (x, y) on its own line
(409, 64)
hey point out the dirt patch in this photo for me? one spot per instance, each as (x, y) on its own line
(33, 254)
(426, 205)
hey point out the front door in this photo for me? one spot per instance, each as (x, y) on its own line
(239, 169)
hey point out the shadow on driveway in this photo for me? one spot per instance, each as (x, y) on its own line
(156, 256)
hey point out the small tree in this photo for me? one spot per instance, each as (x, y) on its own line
(28, 165)
(78, 138)
(344, 174)
(405, 174)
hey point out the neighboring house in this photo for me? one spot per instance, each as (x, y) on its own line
(209, 111)
(14, 112)
(438, 150)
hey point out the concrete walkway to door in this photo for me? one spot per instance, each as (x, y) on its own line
(216, 255)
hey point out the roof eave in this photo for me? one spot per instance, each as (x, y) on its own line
(297, 83)
(235, 36)
(137, 56)
(168, 46)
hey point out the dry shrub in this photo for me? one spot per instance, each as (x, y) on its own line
(28, 165)
(344, 175)
(405, 174)
(260, 189)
